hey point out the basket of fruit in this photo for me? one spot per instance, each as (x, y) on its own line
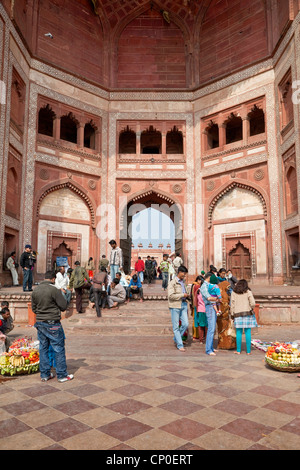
(19, 362)
(284, 357)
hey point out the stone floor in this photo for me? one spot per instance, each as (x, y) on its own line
(138, 392)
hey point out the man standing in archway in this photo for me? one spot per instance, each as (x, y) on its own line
(116, 259)
(178, 305)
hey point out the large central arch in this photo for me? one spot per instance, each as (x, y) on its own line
(137, 203)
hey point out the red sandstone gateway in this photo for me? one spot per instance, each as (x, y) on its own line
(187, 105)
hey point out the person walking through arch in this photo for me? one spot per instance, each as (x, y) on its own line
(178, 305)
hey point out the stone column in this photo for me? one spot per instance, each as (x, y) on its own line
(56, 128)
(138, 139)
(80, 135)
(246, 129)
(222, 135)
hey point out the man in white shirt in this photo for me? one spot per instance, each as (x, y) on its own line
(11, 265)
(115, 260)
(62, 283)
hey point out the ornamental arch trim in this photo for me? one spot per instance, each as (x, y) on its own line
(227, 189)
(76, 190)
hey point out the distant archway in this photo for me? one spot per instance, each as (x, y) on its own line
(157, 200)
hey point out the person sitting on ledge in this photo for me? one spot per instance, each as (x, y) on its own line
(117, 294)
(135, 287)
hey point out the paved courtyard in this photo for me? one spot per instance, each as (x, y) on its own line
(136, 391)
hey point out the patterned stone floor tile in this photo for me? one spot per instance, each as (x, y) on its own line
(63, 429)
(254, 399)
(186, 428)
(283, 406)
(156, 439)
(124, 429)
(155, 417)
(105, 398)
(293, 397)
(39, 390)
(131, 390)
(181, 407)
(177, 390)
(57, 398)
(133, 377)
(97, 417)
(13, 426)
(213, 418)
(24, 406)
(248, 429)
(204, 398)
(41, 417)
(30, 439)
(90, 440)
(128, 407)
(219, 439)
(293, 426)
(234, 407)
(155, 397)
(74, 407)
(269, 391)
(268, 417)
(281, 440)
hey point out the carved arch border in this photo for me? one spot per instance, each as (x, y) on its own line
(227, 189)
(73, 187)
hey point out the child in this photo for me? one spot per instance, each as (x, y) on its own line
(214, 291)
(200, 320)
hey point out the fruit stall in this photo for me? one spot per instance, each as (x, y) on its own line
(22, 358)
(284, 357)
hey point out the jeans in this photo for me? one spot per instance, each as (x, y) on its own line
(182, 315)
(165, 277)
(51, 335)
(211, 320)
(67, 295)
(27, 278)
(114, 269)
(141, 275)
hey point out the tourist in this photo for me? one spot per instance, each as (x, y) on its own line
(47, 303)
(79, 280)
(140, 268)
(211, 314)
(99, 289)
(135, 287)
(103, 262)
(222, 275)
(154, 264)
(200, 321)
(213, 278)
(241, 309)
(12, 265)
(116, 259)
(177, 300)
(27, 263)
(164, 269)
(90, 267)
(171, 271)
(149, 269)
(117, 294)
(178, 261)
(62, 282)
(6, 325)
(230, 278)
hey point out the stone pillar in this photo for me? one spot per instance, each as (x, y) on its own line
(80, 135)
(138, 139)
(56, 128)
(98, 141)
(246, 129)
(222, 135)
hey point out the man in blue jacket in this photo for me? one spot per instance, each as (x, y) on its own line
(135, 287)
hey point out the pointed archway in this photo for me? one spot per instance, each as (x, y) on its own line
(148, 199)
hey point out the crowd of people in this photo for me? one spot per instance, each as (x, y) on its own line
(109, 287)
(205, 299)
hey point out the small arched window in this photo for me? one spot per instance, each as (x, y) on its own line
(68, 128)
(291, 191)
(151, 141)
(174, 141)
(256, 121)
(127, 141)
(89, 135)
(45, 123)
(212, 132)
(234, 129)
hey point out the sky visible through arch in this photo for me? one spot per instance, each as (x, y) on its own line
(153, 226)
